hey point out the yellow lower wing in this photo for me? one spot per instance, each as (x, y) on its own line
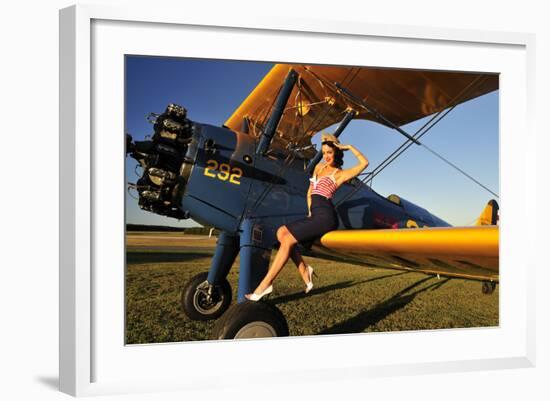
(468, 252)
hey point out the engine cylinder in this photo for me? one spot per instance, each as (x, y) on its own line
(162, 159)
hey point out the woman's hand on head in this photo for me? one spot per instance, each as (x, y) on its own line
(342, 146)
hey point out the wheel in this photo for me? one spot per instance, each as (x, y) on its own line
(202, 301)
(488, 287)
(251, 320)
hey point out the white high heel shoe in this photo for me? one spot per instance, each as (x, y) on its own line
(256, 297)
(310, 272)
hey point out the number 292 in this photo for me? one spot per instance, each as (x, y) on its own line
(223, 172)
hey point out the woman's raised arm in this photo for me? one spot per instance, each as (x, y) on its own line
(349, 173)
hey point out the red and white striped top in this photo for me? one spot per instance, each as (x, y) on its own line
(325, 186)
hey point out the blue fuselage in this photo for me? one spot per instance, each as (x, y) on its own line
(227, 182)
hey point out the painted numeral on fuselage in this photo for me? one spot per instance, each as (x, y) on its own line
(237, 173)
(211, 165)
(223, 172)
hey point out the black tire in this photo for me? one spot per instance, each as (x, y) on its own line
(251, 320)
(197, 304)
(488, 287)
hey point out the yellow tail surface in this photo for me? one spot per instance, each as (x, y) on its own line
(489, 215)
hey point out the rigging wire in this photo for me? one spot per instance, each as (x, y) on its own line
(425, 128)
(402, 148)
(458, 169)
(437, 154)
(407, 144)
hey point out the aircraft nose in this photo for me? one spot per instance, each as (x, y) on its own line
(161, 159)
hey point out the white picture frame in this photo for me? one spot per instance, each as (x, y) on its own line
(93, 358)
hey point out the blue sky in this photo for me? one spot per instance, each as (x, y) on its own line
(211, 90)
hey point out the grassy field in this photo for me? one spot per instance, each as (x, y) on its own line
(346, 298)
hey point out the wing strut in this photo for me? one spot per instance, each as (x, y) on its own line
(290, 80)
(278, 109)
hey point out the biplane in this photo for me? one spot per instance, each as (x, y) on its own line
(250, 176)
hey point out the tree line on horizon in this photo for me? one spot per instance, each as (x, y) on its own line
(199, 230)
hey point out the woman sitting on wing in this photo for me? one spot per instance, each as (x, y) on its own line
(322, 218)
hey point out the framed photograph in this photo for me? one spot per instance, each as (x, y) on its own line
(133, 300)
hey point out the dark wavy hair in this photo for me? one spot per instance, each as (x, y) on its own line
(338, 154)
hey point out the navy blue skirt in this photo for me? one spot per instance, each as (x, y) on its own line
(323, 219)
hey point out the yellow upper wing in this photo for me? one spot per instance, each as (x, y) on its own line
(468, 252)
(402, 96)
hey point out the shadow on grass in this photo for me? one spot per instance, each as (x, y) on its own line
(315, 291)
(133, 258)
(328, 288)
(439, 284)
(370, 317)
(383, 277)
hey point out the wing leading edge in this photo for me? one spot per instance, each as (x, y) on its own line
(467, 252)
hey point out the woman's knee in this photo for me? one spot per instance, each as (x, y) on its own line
(289, 241)
(282, 233)
(285, 237)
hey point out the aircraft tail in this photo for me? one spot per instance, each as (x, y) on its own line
(489, 215)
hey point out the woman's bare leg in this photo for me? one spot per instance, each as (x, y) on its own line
(300, 264)
(287, 242)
